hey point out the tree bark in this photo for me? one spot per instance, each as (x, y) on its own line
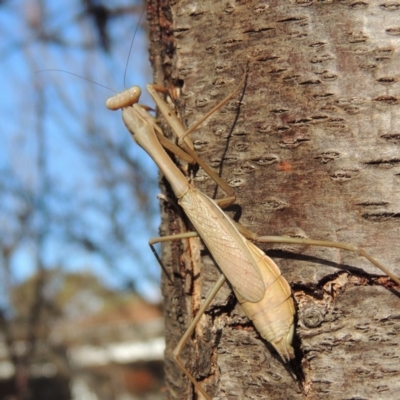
(312, 149)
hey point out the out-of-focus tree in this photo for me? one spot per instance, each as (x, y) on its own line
(74, 192)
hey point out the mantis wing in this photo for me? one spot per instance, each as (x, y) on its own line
(225, 243)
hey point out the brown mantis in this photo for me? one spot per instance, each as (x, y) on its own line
(256, 280)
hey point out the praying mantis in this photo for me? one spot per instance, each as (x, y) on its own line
(256, 280)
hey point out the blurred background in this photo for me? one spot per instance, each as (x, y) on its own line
(79, 302)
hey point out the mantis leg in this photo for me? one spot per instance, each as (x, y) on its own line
(153, 241)
(323, 243)
(189, 331)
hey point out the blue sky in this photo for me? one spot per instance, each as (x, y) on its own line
(46, 147)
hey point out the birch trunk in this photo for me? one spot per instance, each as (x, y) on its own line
(311, 148)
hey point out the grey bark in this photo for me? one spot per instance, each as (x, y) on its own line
(312, 148)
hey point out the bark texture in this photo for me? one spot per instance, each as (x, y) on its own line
(312, 149)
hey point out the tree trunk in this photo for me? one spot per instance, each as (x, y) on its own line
(312, 149)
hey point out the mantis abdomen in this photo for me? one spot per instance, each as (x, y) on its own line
(273, 316)
(257, 282)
